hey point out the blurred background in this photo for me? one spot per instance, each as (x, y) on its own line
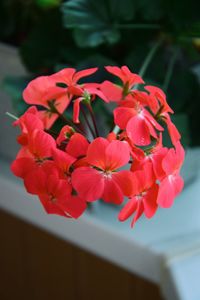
(52, 34)
(39, 37)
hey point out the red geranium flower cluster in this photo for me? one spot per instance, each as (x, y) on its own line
(70, 164)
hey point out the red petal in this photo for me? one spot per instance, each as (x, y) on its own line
(157, 158)
(77, 146)
(74, 206)
(178, 184)
(35, 181)
(128, 209)
(96, 153)
(122, 115)
(139, 212)
(138, 131)
(125, 180)
(76, 110)
(64, 134)
(41, 144)
(115, 71)
(94, 91)
(62, 160)
(22, 166)
(112, 192)
(173, 131)
(64, 76)
(84, 73)
(150, 201)
(42, 89)
(166, 193)
(89, 183)
(51, 207)
(117, 155)
(112, 92)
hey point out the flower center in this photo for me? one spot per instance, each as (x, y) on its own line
(52, 198)
(107, 174)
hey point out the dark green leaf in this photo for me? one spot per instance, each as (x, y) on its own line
(95, 21)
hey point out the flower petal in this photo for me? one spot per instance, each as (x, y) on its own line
(128, 209)
(76, 110)
(96, 153)
(138, 131)
(117, 155)
(139, 212)
(77, 146)
(166, 193)
(84, 73)
(122, 115)
(89, 183)
(125, 181)
(150, 201)
(111, 91)
(112, 192)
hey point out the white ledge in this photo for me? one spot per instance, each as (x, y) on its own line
(153, 249)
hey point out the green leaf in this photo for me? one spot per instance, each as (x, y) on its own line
(94, 22)
(151, 10)
(85, 38)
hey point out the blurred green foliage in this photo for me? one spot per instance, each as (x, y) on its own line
(52, 34)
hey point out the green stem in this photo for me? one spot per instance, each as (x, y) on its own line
(149, 57)
(170, 70)
(11, 116)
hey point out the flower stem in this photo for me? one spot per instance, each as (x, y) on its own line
(87, 121)
(67, 121)
(11, 116)
(149, 57)
(93, 119)
(170, 70)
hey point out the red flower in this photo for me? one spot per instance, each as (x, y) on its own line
(54, 193)
(144, 196)
(127, 77)
(37, 151)
(63, 161)
(44, 92)
(138, 122)
(162, 110)
(115, 93)
(66, 169)
(172, 184)
(28, 122)
(70, 77)
(65, 134)
(77, 145)
(100, 179)
(112, 92)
